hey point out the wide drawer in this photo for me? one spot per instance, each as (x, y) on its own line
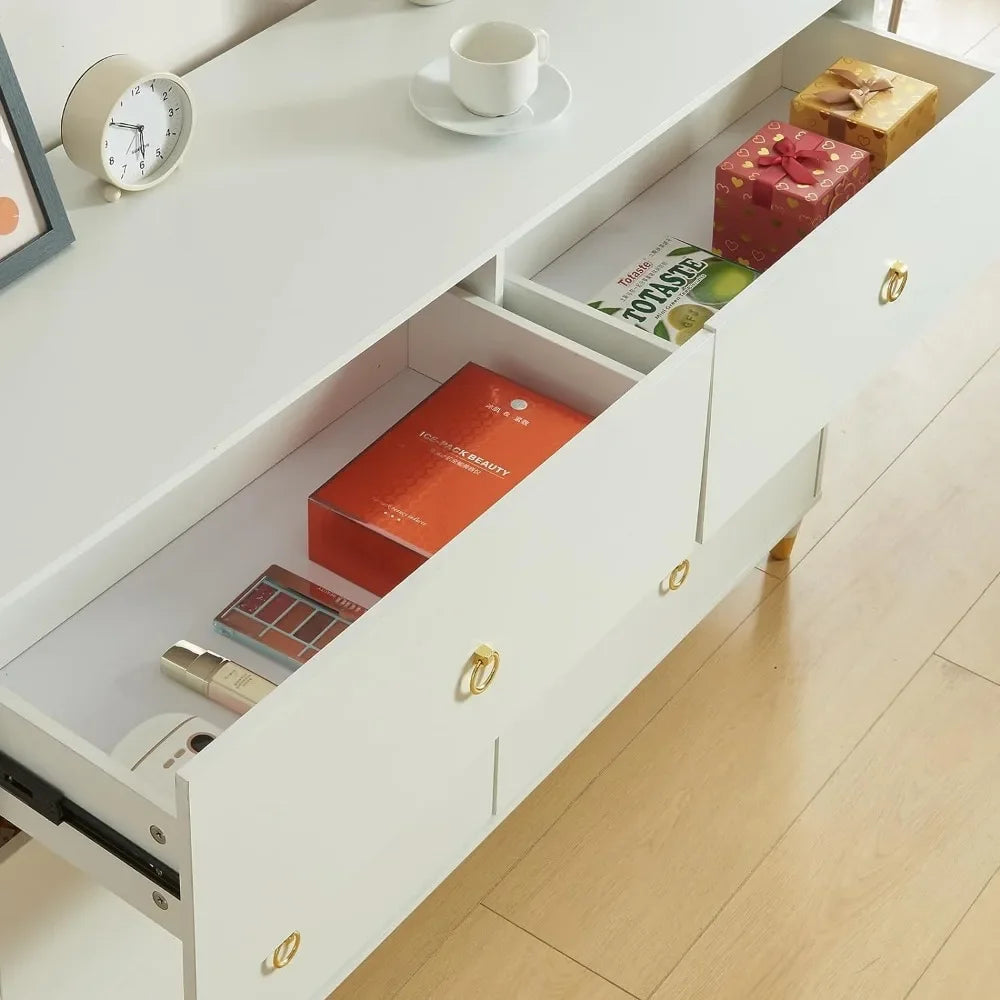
(811, 332)
(805, 337)
(289, 808)
(540, 578)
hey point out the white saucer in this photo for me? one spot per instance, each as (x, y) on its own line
(432, 96)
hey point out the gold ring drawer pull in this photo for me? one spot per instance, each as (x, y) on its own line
(485, 664)
(677, 578)
(895, 281)
(286, 951)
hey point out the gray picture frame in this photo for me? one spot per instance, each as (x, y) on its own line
(59, 235)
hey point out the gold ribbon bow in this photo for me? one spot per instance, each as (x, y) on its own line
(860, 91)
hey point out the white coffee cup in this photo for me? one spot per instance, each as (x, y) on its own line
(494, 66)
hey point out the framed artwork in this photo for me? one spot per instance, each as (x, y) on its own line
(33, 222)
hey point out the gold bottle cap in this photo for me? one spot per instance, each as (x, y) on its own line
(190, 665)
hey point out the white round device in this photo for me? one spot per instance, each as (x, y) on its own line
(156, 747)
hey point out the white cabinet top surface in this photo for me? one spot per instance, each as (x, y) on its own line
(314, 212)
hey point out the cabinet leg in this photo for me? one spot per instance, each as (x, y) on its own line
(782, 552)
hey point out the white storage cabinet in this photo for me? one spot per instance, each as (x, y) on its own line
(292, 288)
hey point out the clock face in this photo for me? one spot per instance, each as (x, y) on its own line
(145, 131)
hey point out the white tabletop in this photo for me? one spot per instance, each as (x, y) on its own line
(315, 211)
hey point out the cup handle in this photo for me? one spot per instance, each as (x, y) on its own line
(544, 48)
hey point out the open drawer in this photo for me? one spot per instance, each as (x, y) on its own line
(374, 749)
(806, 336)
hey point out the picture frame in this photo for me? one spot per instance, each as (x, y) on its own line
(33, 221)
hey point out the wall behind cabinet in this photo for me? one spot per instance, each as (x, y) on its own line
(51, 42)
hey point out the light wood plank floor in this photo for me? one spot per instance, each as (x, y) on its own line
(803, 801)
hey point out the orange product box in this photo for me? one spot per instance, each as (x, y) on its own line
(432, 474)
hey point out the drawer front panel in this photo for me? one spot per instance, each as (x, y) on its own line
(373, 891)
(320, 776)
(551, 727)
(807, 336)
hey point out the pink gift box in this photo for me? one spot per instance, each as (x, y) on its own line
(778, 187)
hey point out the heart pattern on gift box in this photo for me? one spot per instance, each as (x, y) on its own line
(796, 209)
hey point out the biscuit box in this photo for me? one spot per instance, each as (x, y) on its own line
(673, 290)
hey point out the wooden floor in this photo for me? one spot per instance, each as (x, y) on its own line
(803, 801)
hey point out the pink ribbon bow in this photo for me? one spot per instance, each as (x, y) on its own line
(860, 91)
(790, 156)
(789, 159)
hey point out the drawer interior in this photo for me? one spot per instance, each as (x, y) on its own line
(97, 674)
(666, 189)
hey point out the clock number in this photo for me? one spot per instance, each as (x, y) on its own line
(111, 160)
(165, 95)
(123, 171)
(159, 155)
(142, 165)
(170, 112)
(152, 85)
(135, 90)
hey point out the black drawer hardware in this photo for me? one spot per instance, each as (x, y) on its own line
(51, 804)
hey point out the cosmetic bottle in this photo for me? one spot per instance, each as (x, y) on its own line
(223, 681)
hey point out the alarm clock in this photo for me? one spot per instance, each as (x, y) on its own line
(127, 124)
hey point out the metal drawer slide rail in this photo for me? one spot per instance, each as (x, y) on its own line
(52, 805)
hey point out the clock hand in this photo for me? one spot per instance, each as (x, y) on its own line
(135, 128)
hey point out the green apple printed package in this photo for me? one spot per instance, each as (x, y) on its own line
(673, 290)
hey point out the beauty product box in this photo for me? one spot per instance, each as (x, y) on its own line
(875, 109)
(673, 290)
(432, 474)
(777, 187)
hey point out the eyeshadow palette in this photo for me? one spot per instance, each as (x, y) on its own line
(286, 616)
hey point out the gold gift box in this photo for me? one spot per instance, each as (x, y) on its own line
(869, 107)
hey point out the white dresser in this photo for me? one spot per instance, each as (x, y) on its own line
(173, 388)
